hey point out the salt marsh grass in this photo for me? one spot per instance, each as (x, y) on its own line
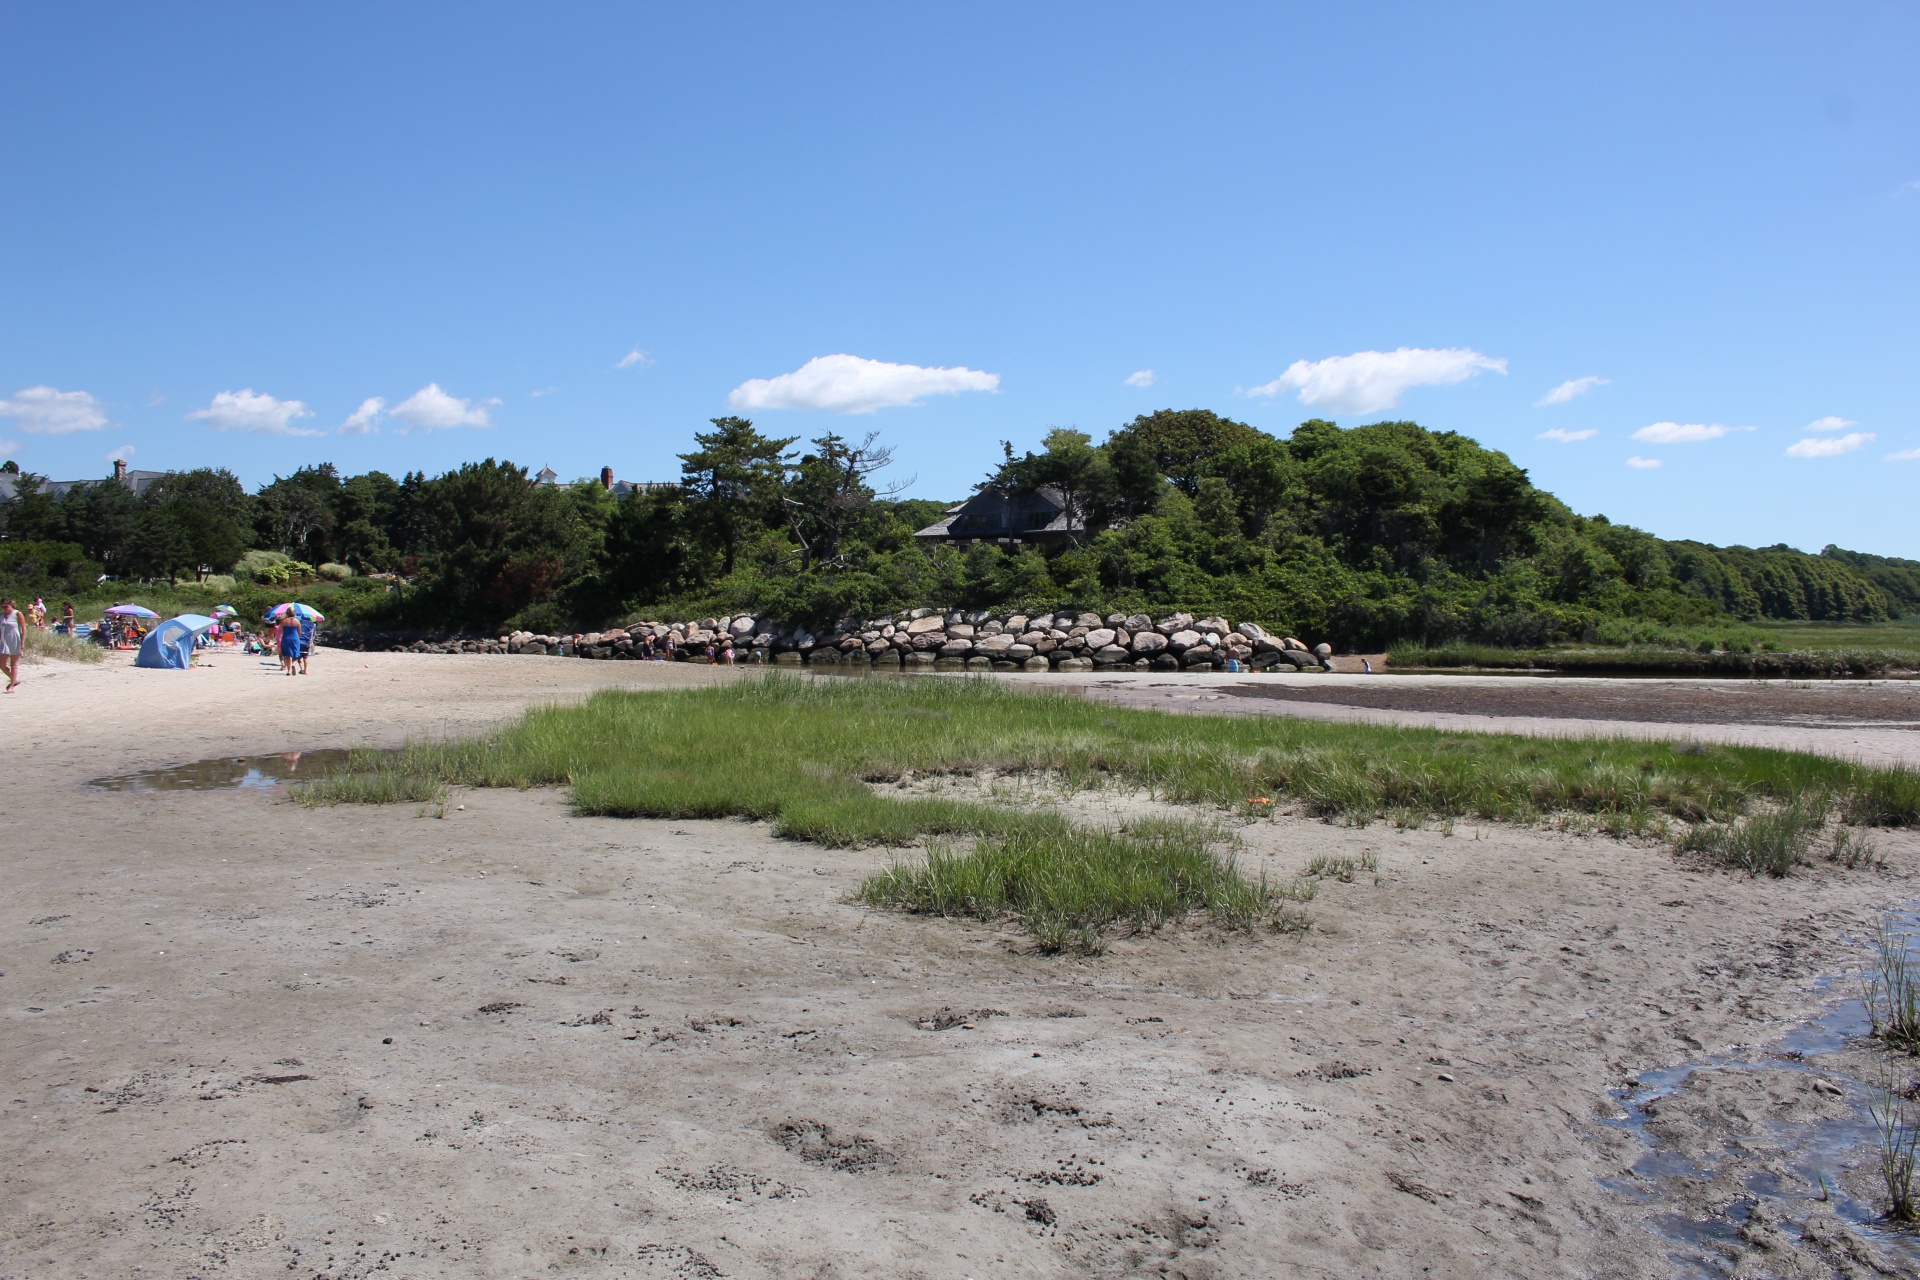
(805, 755)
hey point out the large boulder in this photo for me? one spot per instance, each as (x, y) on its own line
(1034, 664)
(1087, 620)
(959, 630)
(1174, 622)
(1183, 640)
(741, 627)
(1253, 631)
(1148, 643)
(1217, 625)
(924, 622)
(994, 645)
(928, 640)
(956, 648)
(1100, 638)
(1137, 622)
(1074, 664)
(1018, 652)
(1112, 655)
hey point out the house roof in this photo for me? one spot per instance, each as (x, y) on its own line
(1041, 513)
(139, 480)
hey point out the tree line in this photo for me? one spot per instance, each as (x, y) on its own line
(1367, 534)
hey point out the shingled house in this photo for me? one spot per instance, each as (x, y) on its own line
(1040, 516)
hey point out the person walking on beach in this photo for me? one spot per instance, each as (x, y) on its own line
(306, 642)
(290, 643)
(12, 639)
(66, 616)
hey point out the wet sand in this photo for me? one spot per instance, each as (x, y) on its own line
(1872, 721)
(245, 1039)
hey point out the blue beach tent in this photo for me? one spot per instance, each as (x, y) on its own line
(169, 646)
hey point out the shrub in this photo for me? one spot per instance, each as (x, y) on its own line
(334, 572)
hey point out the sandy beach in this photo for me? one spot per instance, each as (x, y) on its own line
(243, 1038)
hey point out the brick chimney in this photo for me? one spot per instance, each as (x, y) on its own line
(120, 470)
(606, 477)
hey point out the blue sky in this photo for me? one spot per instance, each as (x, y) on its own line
(446, 227)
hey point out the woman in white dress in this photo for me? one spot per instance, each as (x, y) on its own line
(12, 635)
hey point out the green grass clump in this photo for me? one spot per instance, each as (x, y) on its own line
(373, 786)
(1769, 843)
(1068, 884)
(40, 645)
(1884, 798)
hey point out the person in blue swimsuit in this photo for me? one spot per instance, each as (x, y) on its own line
(290, 650)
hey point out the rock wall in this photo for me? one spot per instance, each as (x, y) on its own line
(947, 641)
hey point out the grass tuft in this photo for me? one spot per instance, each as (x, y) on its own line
(1893, 990)
(1069, 885)
(1769, 843)
(41, 645)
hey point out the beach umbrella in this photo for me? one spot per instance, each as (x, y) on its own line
(226, 611)
(297, 609)
(132, 611)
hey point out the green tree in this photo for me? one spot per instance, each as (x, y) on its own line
(828, 498)
(191, 523)
(296, 514)
(733, 484)
(1180, 442)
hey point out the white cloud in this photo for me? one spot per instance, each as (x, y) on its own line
(432, 409)
(156, 398)
(123, 454)
(361, 420)
(8, 446)
(1683, 432)
(1832, 447)
(1905, 455)
(45, 411)
(1568, 390)
(635, 358)
(250, 410)
(544, 391)
(1830, 423)
(851, 384)
(1565, 436)
(1369, 381)
(1639, 463)
(1140, 378)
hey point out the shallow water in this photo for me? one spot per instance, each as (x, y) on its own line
(1820, 1149)
(226, 773)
